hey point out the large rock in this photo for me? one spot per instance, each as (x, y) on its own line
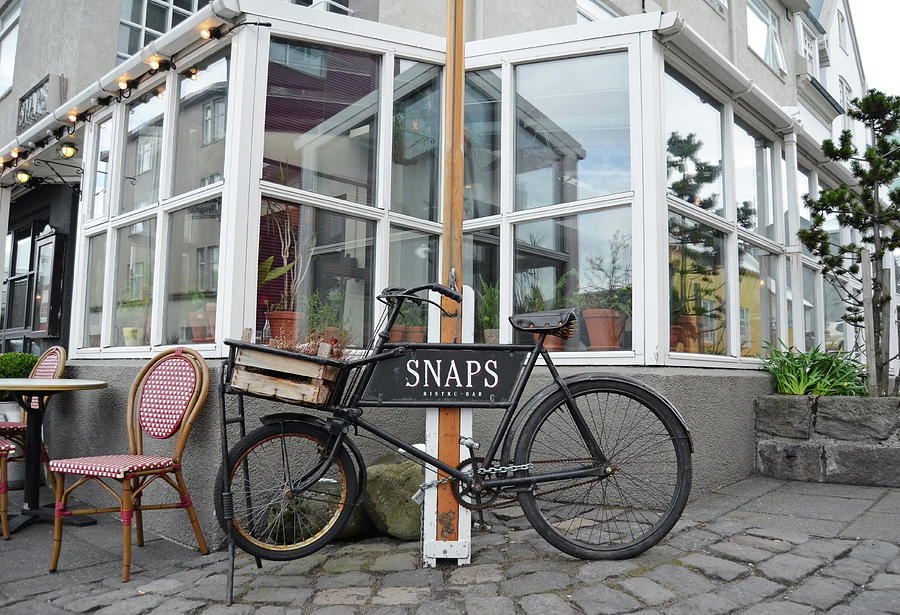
(861, 464)
(393, 481)
(790, 460)
(857, 418)
(305, 516)
(789, 416)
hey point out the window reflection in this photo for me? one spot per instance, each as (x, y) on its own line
(753, 181)
(321, 120)
(192, 273)
(693, 145)
(200, 137)
(581, 261)
(416, 139)
(481, 271)
(134, 283)
(140, 186)
(101, 169)
(572, 130)
(482, 144)
(697, 286)
(757, 274)
(413, 261)
(93, 314)
(809, 308)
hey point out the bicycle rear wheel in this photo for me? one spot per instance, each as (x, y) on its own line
(616, 516)
(274, 517)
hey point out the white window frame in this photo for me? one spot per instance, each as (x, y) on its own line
(808, 47)
(595, 10)
(842, 30)
(846, 95)
(9, 29)
(171, 11)
(774, 54)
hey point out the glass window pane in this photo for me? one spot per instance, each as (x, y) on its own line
(693, 145)
(132, 10)
(481, 271)
(177, 18)
(753, 181)
(572, 130)
(43, 288)
(579, 261)
(140, 186)
(481, 167)
(415, 148)
(187, 5)
(93, 314)
(101, 165)
(316, 273)
(7, 260)
(134, 283)
(836, 330)
(18, 303)
(157, 17)
(8, 57)
(23, 254)
(697, 286)
(759, 309)
(809, 308)
(802, 192)
(757, 30)
(413, 261)
(129, 39)
(193, 273)
(321, 120)
(200, 136)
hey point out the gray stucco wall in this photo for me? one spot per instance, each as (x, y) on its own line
(718, 406)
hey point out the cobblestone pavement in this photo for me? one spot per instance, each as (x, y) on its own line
(759, 546)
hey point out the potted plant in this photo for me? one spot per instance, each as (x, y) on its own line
(414, 318)
(605, 301)
(531, 298)
(489, 311)
(133, 320)
(324, 317)
(14, 365)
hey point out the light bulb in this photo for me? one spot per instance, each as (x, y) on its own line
(205, 33)
(123, 85)
(72, 117)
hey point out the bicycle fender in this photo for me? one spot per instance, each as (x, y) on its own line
(316, 421)
(541, 395)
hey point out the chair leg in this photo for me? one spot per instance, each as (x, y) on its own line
(186, 501)
(127, 510)
(46, 458)
(58, 519)
(138, 519)
(4, 520)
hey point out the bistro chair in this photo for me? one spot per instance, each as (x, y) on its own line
(50, 365)
(164, 401)
(6, 447)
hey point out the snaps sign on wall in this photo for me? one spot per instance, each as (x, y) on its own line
(446, 377)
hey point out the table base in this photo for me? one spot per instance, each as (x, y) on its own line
(46, 513)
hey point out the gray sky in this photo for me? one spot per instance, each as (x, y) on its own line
(876, 32)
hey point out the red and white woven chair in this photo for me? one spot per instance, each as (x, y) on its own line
(6, 447)
(164, 401)
(50, 365)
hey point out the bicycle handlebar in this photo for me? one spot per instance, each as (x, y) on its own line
(438, 288)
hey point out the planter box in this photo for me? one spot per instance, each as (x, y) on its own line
(789, 416)
(283, 376)
(857, 418)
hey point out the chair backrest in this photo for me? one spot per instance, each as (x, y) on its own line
(50, 365)
(165, 398)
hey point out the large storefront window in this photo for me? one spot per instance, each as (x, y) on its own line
(693, 145)
(415, 149)
(316, 274)
(757, 280)
(143, 141)
(572, 130)
(581, 261)
(192, 263)
(134, 262)
(93, 313)
(200, 136)
(753, 181)
(482, 144)
(697, 287)
(321, 120)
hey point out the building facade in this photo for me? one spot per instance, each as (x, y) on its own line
(266, 165)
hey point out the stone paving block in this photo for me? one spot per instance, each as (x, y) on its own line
(724, 527)
(33, 607)
(780, 608)
(877, 602)
(875, 525)
(440, 607)
(345, 564)
(161, 586)
(712, 506)
(750, 590)
(100, 599)
(401, 595)
(885, 581)
(462, 592)
(488, 556)
(647, 591)
(789, 416)
(809, 506)
(542, 604)
(825, 550)
(508, 512)
(413, 578)
(480, 573)
(854, 570)
(821, 592)
(702, 604)
(739, 552)
(177, 606)
(778, 534)
(385, 610)
(766, 544)
(595, 572)
(788, 568)
(535, 583)
(792, 460)
(500, 605)
(890, 503)
(653, 557)
(693, 540)
(394, 562)
(368, 546)
(875, 551)
(681, 580)
(300, 566)
(715, 567)
(602, 600)
(861, 464)
(132, 606)
(519, 568)
(862, 492)
(275, 580)
(893, 567)
(681, 525)
(346, 595)
(277, 595)
(785, 523)
(753, 487)
(353, 578)
(856, 418)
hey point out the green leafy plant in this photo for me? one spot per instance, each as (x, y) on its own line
(15, 365)
(322, 313)
(609, 286)
(412, 315)
(489, 307)
(814, 372)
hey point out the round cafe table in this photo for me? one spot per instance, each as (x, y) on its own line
(24, 390)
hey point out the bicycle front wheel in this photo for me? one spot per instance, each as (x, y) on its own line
(630, 510)
(275, 517)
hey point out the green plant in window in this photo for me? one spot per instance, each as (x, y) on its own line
(412, 315)
(609, 278)
(489, 305)
(324, 312)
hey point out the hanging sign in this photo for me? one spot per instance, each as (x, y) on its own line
(39, 101)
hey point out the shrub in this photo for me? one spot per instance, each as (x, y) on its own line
(15, 365)
(815, 372)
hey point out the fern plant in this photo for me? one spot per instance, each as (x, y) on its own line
(814, 372)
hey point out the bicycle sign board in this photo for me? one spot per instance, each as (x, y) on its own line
(446, 375)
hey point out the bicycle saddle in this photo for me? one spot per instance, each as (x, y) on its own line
(560, 323)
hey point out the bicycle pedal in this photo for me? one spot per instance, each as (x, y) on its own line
(469, 443)
(484, 527)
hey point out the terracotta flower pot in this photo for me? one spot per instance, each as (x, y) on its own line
(285, 325)
(691, 329)
(552, 343)
(397, 333)
(605, 328)
(492, 336)
(415, 334)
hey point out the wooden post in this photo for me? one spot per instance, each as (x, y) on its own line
(448, 425)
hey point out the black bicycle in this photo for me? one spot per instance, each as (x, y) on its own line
(600, 463)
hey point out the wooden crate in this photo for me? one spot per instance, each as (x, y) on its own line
(293, 379)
